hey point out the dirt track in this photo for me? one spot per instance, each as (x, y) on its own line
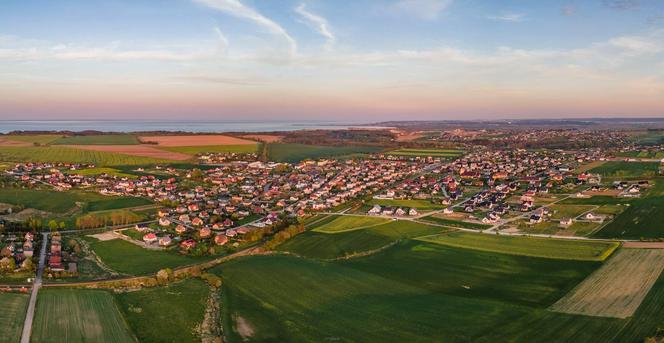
(198, 140)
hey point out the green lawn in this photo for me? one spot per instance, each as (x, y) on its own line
(349, 223)
(527, 246)
(99, 171)
(412, 292)
(128, 258)
(165, 314)
(77, 315)
(328, 246)
(286, 152)
(427, 152)
(12, 315)
(455, 223)
(193, 150)
(627, 169)
(115, 203)
(51, 201)
(98, 140)
(569, 211)
(72, 155)
(422, 205)
(40, 139)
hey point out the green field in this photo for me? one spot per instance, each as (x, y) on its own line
(286, 152)
(131, 259)
(644, 218)
(627, 169)
(412, 292)
(427, 152)
(39, 139)
(349, 223)
(165, 313)
(193, 150)
(653, 137)
(12, 315)
(97, 140)
(50, 201)
(596, 200)
(569, 211)
(422, 205)
(329, 246)
(75, 315)
(99, 171)
(527, 246)
(72, 155)
(455, 223)
(115, 203)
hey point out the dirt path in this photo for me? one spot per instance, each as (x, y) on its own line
(210, 329)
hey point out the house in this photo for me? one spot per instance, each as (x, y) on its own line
(197, 222)
(375, 210)
(164, 222)
(448, 210)
(412, 212)
(165, 241)
(565, 222)
(150, 238)
(204, 232)
(180, 229)
(535, 219)
(220, 239)
(140, 227)
(188, 244)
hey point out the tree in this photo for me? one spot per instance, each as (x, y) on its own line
(62, 225)
(52, 225)
(164, 276)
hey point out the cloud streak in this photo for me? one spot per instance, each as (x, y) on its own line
(423, 9)
(508, 17)
(319, 23)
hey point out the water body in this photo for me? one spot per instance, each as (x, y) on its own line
(189, 126)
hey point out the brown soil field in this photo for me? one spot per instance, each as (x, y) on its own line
(607, 192)
(264, 138)
(588, 166)
(617, 288)
(135, 150)
(7, 142)
(644, 245)
(197, 140)
(405, 136)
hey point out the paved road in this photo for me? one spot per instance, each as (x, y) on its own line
(29, 316)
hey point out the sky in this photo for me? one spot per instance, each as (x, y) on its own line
(330, 60)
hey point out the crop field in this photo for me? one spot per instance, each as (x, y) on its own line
(422, 205)
(618, 287)
(115, 203)
(75, 315)
(627, 169)
(329, 246)
(569, 211)
(65, 154)
(32, 139)
(595, 200)
(165, 313)
(97, 140)
(127, 258)
(195, 140)
(427, 152)
(437, 219)
(145, 151)
(286, 152)
(643, 218)
(349, 223)
(13, 307)
(527, 246)
(99, 171)
(413, 292)
(50, 201)
(193, 150)
(653, 137)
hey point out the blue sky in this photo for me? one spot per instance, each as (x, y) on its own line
(389, 59)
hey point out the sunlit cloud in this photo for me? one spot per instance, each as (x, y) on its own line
(319, 23)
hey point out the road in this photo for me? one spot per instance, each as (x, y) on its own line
(30, 314)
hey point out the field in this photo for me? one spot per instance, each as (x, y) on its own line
(595, 200)
(99, 171)
(627, 169)
(349, 223)
(193, 150)
(97, 140)
(643, 218)
(412, 292)
(526, 246)
(423, 205)
(427, 152)
(455, 223)
(65, 154)
(13, 307)
(286, 152)
(330, 246)
(608, 292)
(165, 313)
(653, 137)
(74, 315)
(50, 201)
(32, 139)
(127, 258)
(117, 203)
(569, 211)
(146, 151)
(194, 140)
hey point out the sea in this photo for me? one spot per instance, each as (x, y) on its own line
(188, 126)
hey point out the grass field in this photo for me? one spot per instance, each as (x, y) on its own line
(569, 211)
(608, 292)
(595, 200)
(75, 315)
(193, 150)
(40, 139)
(128, 258)
(653, 137)
(526, 246)
(643, 218)
(71, 155)
(627, 169)
(99, 171)
(97, 140)
(165, 313)
(328, 246)
(117, 203)
(286, 152)
(427, 152)
(13, 307)
(422, 205)
(50, 201)
(455, 223)
(412, 292)
(349, 223)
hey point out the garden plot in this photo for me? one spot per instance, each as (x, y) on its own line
(617, 288)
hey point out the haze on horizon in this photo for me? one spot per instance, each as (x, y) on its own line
(330, 60)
